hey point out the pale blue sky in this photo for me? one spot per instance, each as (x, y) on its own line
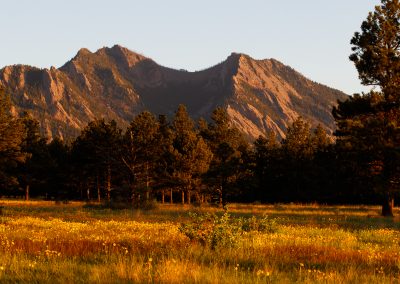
(312, 36)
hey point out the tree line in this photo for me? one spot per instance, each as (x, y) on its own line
(178, 160)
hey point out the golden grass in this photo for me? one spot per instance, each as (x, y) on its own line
(48, 243)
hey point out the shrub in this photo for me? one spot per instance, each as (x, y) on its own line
(264, 225)
(217, 232)
(211, 230)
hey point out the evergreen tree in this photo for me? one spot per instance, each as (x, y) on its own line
(297, 155)
(370, 124)
(12, 134)
(60, 169)
(33, 174)
(140, 153)
(164, 158)
(298, 141)
(323, 169)
(320, 139)
(376, 50)
(266, 153)
(228, 147)
(192, 155)
(96, 157)
(202, 126)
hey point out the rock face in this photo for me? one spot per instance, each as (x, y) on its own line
(116, 83)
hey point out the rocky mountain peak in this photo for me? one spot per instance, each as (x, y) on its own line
(83, 52)
(122, 55)
(235, 58)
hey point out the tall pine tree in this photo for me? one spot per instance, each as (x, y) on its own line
(140, 153)
(12, 134)
(192, 155)
(370, 124)
(33, 174)
(96, 157)
(228, 146)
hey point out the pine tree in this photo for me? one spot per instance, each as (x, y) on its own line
(228, 146)
(164, 158)
(96, 156)
(370, 124)
(192, 155)
(298, 141)
(320, 139)
(266, 153)
(33, 173)
(60, 169)
(376, 50)
(12, 134)
(140, 153)
(297, 155)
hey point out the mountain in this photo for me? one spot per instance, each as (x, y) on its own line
(116, 83)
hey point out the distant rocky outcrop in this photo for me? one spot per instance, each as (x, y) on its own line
(116, 83)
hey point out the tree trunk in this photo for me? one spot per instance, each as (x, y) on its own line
(171, 200)
(27, 192)
(88, 193)
(147, 182)
(220, 197)
(387, 207)
(163, 196)
(183, 197)
(108, 183)
(98, 188)
(198, 198)
(133, 197)
(188, 197)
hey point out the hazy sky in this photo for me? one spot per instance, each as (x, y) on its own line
(312, 36)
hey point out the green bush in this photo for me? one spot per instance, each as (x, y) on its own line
(224, 231)
(264, 225)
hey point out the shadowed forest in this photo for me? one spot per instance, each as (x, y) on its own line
(181, 161)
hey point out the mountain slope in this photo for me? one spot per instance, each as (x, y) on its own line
(269, 96)
(116, 83)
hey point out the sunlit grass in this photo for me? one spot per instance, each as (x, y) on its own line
(58, 243)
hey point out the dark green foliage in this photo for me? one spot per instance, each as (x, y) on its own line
(211, 163)
(371, 139)
(369, 125)
(376, 50)
(165, 154)
(141, 151)
(228, 147)
(266, 156)
(219, 232)
(297, 143)
(320, 140)
(12, 134)
(212, 230)
(33, 174)
(59, 171)
(291, 172)
(96, 155)
(263, 225)
(191, 154)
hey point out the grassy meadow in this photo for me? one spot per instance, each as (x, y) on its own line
(44, 242)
